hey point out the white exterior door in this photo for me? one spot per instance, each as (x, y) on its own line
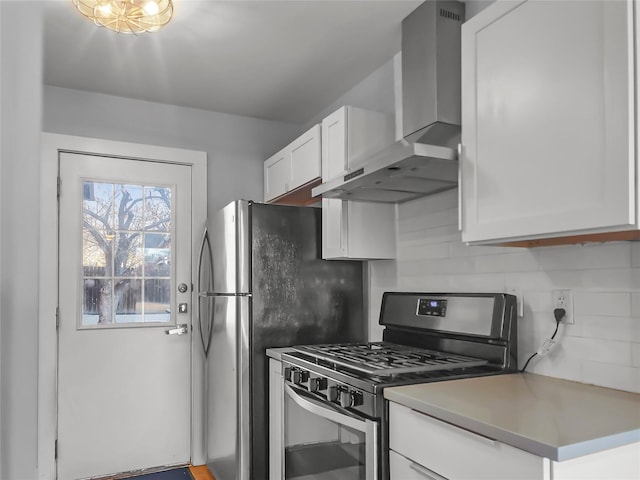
(124, 383)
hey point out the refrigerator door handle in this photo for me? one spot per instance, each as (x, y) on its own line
(206, 244)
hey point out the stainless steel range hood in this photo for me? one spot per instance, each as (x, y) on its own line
(424, 162)
(401, 172)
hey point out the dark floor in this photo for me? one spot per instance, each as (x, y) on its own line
(175, 474)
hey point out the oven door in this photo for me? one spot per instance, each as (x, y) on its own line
(324, 442)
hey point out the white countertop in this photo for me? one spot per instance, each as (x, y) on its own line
(546, 416)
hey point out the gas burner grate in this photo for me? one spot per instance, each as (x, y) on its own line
(386, 359)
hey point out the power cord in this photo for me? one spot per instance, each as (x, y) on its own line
(559, 314)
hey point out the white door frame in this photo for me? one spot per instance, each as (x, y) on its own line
(50, 146)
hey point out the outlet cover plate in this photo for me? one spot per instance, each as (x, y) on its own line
(563, 299)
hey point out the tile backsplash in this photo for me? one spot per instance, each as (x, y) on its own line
(602, 347)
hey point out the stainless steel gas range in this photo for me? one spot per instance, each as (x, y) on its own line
(335, 416)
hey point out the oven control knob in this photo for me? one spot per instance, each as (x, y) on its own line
(315, 384)
(346, 399)
(350, 399)
(287, 373)
(299, 376)
(332, 393)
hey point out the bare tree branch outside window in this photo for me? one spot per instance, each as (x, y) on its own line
(126, 253)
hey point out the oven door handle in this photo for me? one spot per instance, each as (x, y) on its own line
(317, 408)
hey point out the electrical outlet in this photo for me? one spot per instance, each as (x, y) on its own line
(563, 299)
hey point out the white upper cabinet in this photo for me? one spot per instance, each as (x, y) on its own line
(351, 229)
(305, 157)
(294, 170)
(548, 120)
(277, 175)
(349, 133)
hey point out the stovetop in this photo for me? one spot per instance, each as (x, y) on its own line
(386, 359)
(428, 337)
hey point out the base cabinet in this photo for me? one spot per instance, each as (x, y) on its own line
(402, 468)
(423, 447)
(454, 453)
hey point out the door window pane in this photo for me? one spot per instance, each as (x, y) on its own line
(158, 205)
(126, 254)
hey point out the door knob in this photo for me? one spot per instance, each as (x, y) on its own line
(181, 329)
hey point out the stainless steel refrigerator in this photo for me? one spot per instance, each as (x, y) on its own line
(263, 284)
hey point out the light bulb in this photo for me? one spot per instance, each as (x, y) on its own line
(151, 8)
(105, 8)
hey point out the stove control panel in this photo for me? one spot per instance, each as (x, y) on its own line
(326, 389)
(431, 307)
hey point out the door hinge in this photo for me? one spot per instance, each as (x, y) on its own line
(58, 187)
(55, 449)
(57, 317)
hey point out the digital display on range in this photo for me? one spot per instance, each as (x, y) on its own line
(430, 307)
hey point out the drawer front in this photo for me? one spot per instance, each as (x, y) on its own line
(401, 468)
(455, 453)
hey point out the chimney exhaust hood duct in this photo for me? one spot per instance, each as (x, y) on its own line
(424, 162)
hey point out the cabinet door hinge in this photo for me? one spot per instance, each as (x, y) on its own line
(58, 187)
(57, 317)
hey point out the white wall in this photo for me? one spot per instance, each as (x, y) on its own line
(375, 92)
(236, 146)
(20, 114)
(472, 7)
(602, 347)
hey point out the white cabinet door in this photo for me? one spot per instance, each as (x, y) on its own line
(305, 157)
(334, 144)
(277, 175)
(334, 217)
(548, 126)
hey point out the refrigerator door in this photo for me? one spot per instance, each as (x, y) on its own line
(229, 235)
(297, 298)
(228, 389)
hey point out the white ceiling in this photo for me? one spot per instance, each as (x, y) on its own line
(281, 60)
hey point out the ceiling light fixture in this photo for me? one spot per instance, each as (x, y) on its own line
(127, 16)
